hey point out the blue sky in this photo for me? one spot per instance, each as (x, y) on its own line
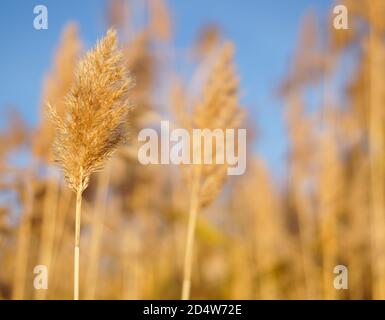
(264, 32)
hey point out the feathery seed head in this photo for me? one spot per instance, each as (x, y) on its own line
(96, 107)
(218, 109)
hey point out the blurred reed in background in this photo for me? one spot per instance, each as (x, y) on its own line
(256, 237)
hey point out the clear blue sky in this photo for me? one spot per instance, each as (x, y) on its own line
(264, 32)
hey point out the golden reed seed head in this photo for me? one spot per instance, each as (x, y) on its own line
(219, 108)
(96, 111)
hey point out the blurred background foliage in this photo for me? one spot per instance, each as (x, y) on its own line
(272, 233)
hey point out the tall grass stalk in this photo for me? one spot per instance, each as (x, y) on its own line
(77, 243)
(188, 259)
(219, 109)
(94, 122)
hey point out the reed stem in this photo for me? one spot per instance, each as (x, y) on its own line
(194, 204)
(77, 243)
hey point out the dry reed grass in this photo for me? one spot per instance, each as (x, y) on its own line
(218, 109)
(94, 121)
(257, 237)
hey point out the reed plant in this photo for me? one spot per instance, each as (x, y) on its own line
(218, 109)
(94, 123)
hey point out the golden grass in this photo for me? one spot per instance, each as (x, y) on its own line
(94, 121)
(219, 109)
(259, 236)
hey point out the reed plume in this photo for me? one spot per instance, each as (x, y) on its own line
(160, 22)
(219, 109)
(94, 122)
(276, 233)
